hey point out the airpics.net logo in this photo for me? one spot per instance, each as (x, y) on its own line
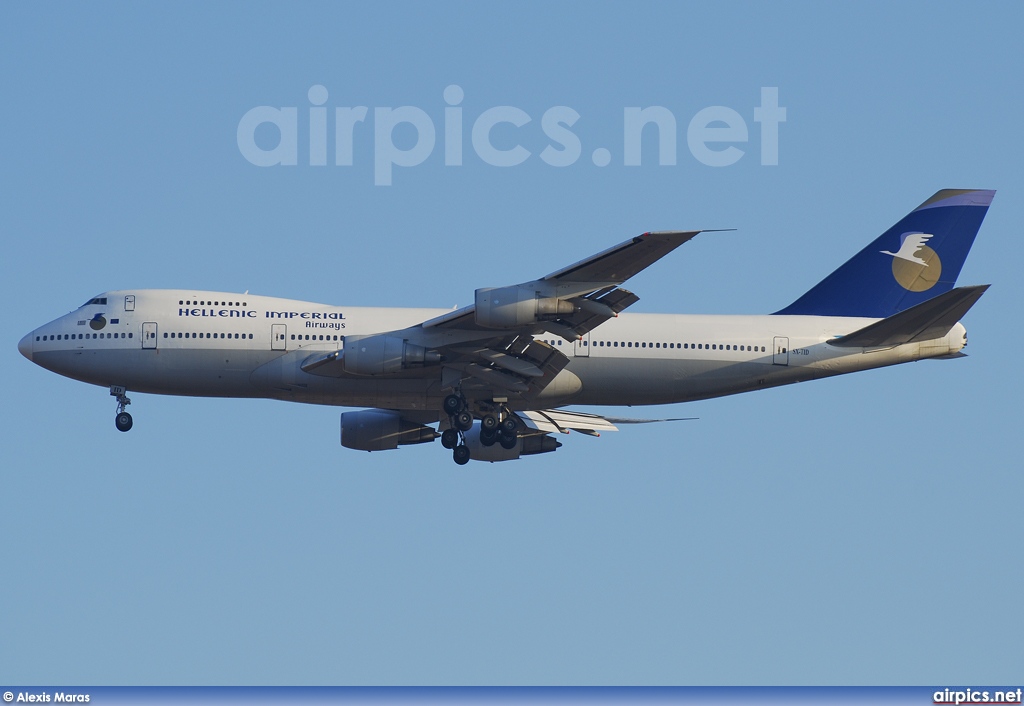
(716, 136)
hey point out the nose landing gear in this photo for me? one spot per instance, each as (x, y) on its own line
(122, 420)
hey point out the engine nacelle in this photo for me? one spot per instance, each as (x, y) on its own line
(525, 446)
(381, 430)
(383, 355)
(511, 307)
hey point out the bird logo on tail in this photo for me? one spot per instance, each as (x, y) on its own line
(915, 265)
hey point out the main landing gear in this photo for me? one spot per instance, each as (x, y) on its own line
(122, 420)
(504, 432)
(496, 427)
(460, 420)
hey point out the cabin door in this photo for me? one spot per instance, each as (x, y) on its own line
(581, 348)
(149, 334)
(278, 337)
(781, 354)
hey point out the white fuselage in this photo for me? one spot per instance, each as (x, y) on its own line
(214, 344)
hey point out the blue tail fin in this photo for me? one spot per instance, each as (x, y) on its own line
(917, 259)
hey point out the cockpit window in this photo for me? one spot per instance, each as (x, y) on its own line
(96, 300)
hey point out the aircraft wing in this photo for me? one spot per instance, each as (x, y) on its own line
(590, 286)
(492, 342)
(488, 348)
(621, 262)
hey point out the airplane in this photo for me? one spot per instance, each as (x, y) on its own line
(492, 379)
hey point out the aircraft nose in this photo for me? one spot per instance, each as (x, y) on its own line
(25, 346)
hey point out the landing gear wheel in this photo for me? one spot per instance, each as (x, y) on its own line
(123, 421)
(488, 437)
(449, 438)
(509, 425)
(508, 441)
(463, 421)
(461, 454)
(489, 422)
(452, 404)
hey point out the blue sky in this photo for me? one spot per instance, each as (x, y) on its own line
(865, 529)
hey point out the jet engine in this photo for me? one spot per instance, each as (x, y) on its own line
(381, 430)
(511, 307)
(381, 355)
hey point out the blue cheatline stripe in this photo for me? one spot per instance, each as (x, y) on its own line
(508, 696)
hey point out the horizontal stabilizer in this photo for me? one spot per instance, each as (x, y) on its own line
(923, 322)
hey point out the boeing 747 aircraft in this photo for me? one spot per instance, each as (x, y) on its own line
(490, 379)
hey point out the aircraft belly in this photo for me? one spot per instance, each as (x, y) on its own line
(214, 373)
(282, 378)
(407, 393)
(623, 381)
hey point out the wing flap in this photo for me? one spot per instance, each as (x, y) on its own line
(555, 420)
(563, 421)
